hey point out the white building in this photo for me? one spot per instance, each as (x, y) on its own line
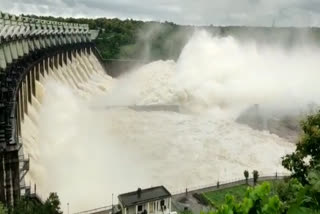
(155, 200)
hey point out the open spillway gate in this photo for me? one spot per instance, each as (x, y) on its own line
(29, 48)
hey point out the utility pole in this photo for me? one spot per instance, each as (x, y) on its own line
(112, 204)
(68, 207)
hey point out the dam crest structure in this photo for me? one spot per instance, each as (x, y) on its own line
(30, 50)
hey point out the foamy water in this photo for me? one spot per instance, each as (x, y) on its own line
(86, 151)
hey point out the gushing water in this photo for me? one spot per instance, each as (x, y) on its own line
(86, 151)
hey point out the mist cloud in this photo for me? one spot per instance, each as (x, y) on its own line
(202, 12)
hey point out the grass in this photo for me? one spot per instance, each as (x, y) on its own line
(218, 197)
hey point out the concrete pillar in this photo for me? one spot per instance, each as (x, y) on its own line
(25, 95)
(68, 39)
(13, 166)
(37, 72)
(69, 53)
(42, 68)
(31, 45)
(8, 179)
(25, 46)
(46, 65)
(7, 53)
(19, 48)
(21, 103)
(3, 62)
(33, 80)
(65, 55)
(37, 43)
(16, 177)
(55, 60)
(52, 41)
(13, 48)
(48, 41)
(63, 40)
(18, 122)
(29, 86)
(42, 42)
(74, 53)
(50, 59)
(12, 179)
(60, 59)
(2, 177)
(58, 40)
(148, 208)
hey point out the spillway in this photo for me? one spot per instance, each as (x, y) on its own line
(85, 150)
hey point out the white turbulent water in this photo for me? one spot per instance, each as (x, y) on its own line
(86, 151)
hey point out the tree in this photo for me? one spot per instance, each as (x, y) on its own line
(246, 175)
(52, 204)
(255, 176)
(307, 200)
(257, 200)
(307, 154)
(3, 209)
(27, 205)
(298, 198)
(288, 191)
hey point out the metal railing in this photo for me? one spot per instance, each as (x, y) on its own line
(100, 209)
(230, 183)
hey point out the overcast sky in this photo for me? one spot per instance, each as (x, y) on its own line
(196, 12)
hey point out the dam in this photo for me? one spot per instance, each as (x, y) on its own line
(30, 50)
(69, 126)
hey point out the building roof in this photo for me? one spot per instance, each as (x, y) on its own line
(146, 195)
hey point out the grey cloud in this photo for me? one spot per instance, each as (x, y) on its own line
(200, 12)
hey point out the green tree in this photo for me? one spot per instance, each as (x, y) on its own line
(3, 209)
(288, 191)
(27, 205)
(257, 200)
(307, 154)
(52, 204)
(255, 176)
(246, 175)
(298, 198)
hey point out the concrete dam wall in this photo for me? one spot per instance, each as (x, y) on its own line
(31, 51)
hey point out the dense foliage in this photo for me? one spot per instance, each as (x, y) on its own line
(307, 154)
(257, 200)
(27, 205)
